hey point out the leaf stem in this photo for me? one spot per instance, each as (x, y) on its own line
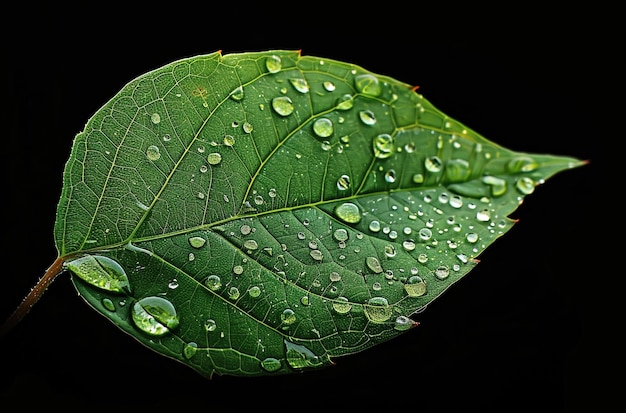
(33, 296)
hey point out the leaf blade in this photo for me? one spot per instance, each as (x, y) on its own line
(331, 202)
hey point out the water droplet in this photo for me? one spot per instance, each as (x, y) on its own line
(173, 284)
(238, 269)
(521, 164)
(154, 315)
(415, 286)
(408, 245)
(335, 276)
(323, 127)
(233, 293)
(247, 127)
(390, 251)
(271, 364)
(348, 212)
(101, 272)
(368, 85)
(442, 272)
(254, 291)
(343, 182)
(456, 201)
(525, 185)
(282, 105)
(403, 323)
(373, 264)
(418, 178)
(237, 94)
(425, 234)
(229, 140)
(329, 86)
(433, 164)
(345, 102)
(210, 325)
(213, 282)
(317, 255)
(214, 158)
(190, 349)
(341, 234)
(273, 64)
(367, 117)
(108, 304)
(497, 185)
(250, 244)
(374, 226)
(457, 170)
(483, 215)
(300, 357)
(197, 242)
(288, 316)
(383, 146)
(390, 176)
(153, 153)
(341, 305)
(471, 237)
(300, 85)
(155, 118)
(377, 310)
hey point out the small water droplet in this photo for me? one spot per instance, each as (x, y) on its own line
(433, 164)
(214, 158)
(383, 145)
(367, 117)
(442, 272)
(525, 185)
(108, 304)
(340, 234)
(300, 84)
(250, 244)
(247, 127)
(343, 182)
(238, 269)
(521, 164)
(374, 226)
(155, 118)
(288, 316)
(213, 282)
(254, 291)
(229, 140)
(390, 176)
(233, 293)
(153, 153)
(317, 255)
(154, 315)
(408, 245)
(403, 323)
(172, 285)
(197, 242)
(323, 127)
(237, 94)
(345, 102)
(483, 215)
(190, 349)
(329, 86)
(210, 325)
(283, 105)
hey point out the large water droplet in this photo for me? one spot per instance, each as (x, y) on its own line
(415, 287)
(288, 316)
(154, 315)
(271, 364)
(101, 272)
(433, 164)
(348, 212)
(442, 272)
(342, 305)
(153, 153)
(323, 127)
(282, 105)
(403, 323)
(368, 85)
(273, 64)
(367, 117)
(300, 357)
(377, 309)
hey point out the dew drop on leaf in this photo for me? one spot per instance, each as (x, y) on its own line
(377, 309)
(348, 212)
(273, 63)
(101, 272)
(283, 105)
(154, 315)
(153, 153)
(368, 85)
(214, 158)
(323, 127)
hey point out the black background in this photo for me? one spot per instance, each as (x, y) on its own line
(529, 328)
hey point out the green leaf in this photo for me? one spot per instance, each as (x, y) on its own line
(267, 213)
